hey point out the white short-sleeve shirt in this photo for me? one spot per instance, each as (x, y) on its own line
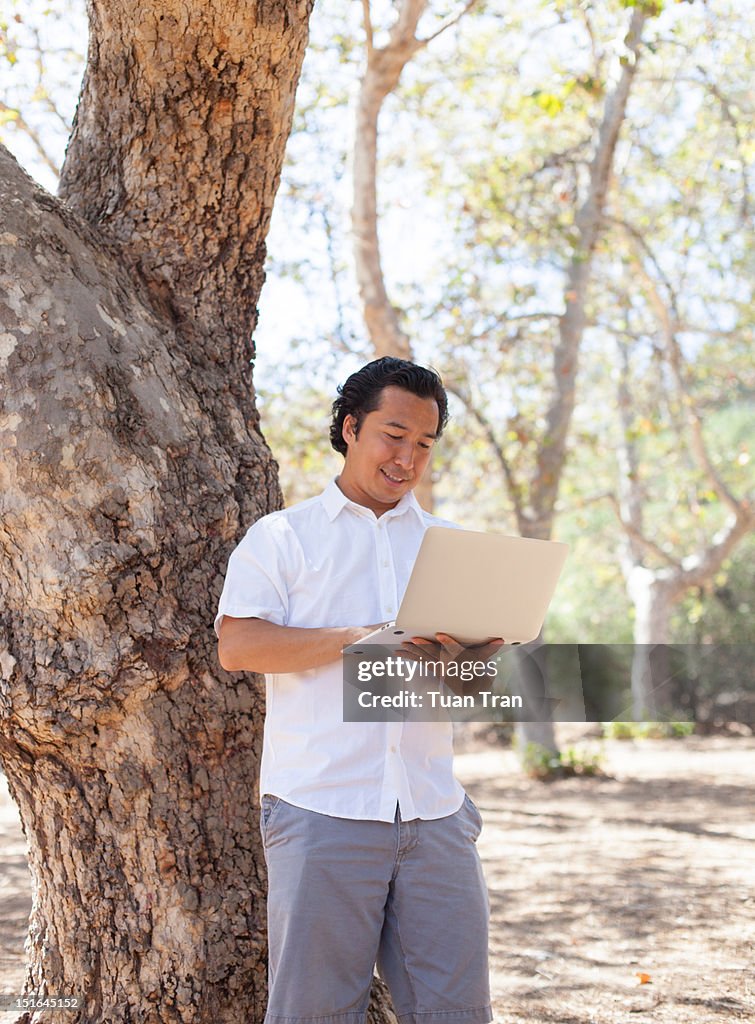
(330, 562)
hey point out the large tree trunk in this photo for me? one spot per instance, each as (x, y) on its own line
(131, 463)
(653, 600)
(589, 223)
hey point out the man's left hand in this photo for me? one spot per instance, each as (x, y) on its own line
(445, 649)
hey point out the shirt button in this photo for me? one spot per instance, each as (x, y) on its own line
(393, 749)
(385, 565)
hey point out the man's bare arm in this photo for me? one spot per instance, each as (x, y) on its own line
(256, 645)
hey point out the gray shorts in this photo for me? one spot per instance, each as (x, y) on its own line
(345, 894)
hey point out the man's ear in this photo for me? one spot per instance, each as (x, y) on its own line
(348, 430)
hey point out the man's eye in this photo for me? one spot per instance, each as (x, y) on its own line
(422, 445)
(394, 437)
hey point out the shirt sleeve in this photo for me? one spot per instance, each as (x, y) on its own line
(256, 581)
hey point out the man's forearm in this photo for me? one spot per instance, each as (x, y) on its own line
(255, 645)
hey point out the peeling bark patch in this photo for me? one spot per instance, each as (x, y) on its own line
(7, 663)
(10, 423)
(68, 452)
(8, 344)
(112, 322)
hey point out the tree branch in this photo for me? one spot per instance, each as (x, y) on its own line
(588, 222)
(369, 36)
(697, 569)
(384, 68)
(450, 20)
(23, 125)
(514, 489)
(715, 91)
(639, 538)
(668, 319)
(629, 489)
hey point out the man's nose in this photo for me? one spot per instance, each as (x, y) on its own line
(405, 456)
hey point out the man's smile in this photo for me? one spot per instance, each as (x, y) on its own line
(395, 479)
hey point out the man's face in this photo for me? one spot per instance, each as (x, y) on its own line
(390, 453)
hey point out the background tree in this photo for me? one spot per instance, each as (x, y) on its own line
(679, 275)
(383, 70)
(540, 419)
(657, 577)
(131, 463)
(41, 60)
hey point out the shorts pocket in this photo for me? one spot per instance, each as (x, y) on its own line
(268, 806)
(473, 810)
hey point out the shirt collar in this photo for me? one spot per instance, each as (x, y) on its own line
(334, 500)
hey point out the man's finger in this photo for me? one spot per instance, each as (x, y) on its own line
(495, 645)
(450, 644)
(405, 651)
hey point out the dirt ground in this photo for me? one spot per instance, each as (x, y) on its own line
(593, 881)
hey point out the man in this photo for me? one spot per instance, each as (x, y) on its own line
(369, 839)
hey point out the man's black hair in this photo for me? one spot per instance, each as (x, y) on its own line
(361, 393)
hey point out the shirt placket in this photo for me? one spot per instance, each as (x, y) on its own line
(395, 777)
(386, 572)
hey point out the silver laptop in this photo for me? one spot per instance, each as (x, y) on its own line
(475, 586)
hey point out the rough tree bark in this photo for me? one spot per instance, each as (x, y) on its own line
(131, 463)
